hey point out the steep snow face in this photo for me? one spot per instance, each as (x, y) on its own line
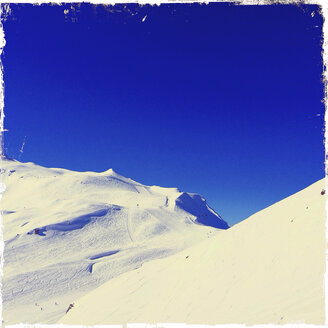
(267, 269)
(196, 205)
(68, 232)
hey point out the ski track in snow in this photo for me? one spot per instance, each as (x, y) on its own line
(129, 226)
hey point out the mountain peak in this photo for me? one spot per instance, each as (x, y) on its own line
(121, 224)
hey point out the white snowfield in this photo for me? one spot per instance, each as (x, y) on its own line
(267, 269)
(66, 233)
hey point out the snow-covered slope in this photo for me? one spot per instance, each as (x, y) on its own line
(68, 232)
(267, 269)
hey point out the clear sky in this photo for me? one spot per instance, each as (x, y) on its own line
(217, 99)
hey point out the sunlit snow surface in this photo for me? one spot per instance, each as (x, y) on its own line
(267, 269)
(67, 233)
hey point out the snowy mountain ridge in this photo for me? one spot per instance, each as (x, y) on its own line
(68, 232)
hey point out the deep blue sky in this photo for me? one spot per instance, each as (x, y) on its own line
(216, 99)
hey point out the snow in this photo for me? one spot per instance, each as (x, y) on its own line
(267, 269)
(67, 233)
